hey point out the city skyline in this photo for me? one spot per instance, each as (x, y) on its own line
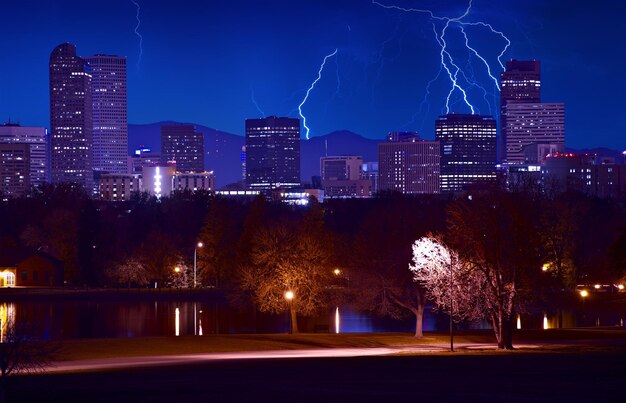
(208, 65)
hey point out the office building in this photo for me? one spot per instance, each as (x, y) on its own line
(14, 169)
(194, 181)
(520, 82)
(109, 116)
(408, 164)
(144, 157)
(71, 125)
(342, 176)
(532, 123)
(468, 150)
(119, 187)
(36, 138)
(272, 153)
(184, 145)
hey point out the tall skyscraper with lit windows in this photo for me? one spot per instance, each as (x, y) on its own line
(71, 126)
(519, 83)
(184, 145)
(272, 153)
(468, 150)
(109, 115)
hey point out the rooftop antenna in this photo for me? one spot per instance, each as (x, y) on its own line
(326, 143)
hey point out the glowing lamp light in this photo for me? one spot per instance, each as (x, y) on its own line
(337, 320)
(545, 322)
(620, 287)
(200, 244)
(289, 295)
(519, 322)
(584, 293)
(597, 286)
(336, 272)
(545, 267)
(177, 269)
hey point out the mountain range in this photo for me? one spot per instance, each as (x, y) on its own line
(223, 150)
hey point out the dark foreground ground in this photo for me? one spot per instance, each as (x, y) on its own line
(483, 377)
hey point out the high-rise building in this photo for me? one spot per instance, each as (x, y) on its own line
(36, 138)
(144, 157)
(342, 176)
(520, 82)
(184, 145)
(272, 153)
(532, 123)
(70, 117)
(408, 164)
(110, 122)
(14, 169)
(468, 150)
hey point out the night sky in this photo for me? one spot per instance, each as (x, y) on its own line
(205, 63)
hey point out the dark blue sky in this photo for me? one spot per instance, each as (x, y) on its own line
(201, 63)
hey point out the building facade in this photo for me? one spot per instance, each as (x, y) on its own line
(272, 153)
(184, 145)
(409, 165)
(342, 176)
(14, 169)
(468, 150)
(119, 187)
(109, 113)
(194, 181)
(36, 137)
(71, 126)
(532, 123)
(520, 82)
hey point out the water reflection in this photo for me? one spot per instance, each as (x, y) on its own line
(7, 316)
(115, 319)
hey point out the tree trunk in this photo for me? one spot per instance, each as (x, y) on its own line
(294, 320)
(507, 333)
(419, 321)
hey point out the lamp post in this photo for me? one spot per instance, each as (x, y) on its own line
(195, 258)
(451, 302)
(289, 297)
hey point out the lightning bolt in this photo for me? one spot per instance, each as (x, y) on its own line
(456, 75)
(258, 108)
(319, 76)
(137, 32)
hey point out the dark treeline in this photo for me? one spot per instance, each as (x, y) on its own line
(581, 239)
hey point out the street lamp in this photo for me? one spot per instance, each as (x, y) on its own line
(289, 297)
(195, 254)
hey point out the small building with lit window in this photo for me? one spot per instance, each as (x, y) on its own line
(119, 187)
(37, 270)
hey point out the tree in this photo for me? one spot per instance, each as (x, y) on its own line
(449, 283)
(21, 352)
(496, 236)
(129, 272)
(285, 259)
(181, 276)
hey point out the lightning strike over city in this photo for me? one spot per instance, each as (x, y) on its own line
(308, 91)
(138, 34)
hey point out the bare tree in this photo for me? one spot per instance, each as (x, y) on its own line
(449, 283)
(181, 276)
(130, 272)
(22, 352)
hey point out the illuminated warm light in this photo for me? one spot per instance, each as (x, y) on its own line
(337, 272)
(597, 286)
(177, 269)
(545, 267)
(519, 322)
(177, 322)
(289, 295)
(584, 293)
(337, 320)
(200, 244)
(545, 322)
(620, 287)
(7, 314)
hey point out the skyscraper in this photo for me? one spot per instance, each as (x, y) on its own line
(408, 164)
(468, 150)
(110, 123)
(520, 82)
(35, 137)
(532, 123)
(183, 144)
(70, 117)
(272, 153)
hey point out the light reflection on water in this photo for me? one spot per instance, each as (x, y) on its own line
(97, 319)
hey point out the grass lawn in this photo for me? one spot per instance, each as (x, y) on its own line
(553, 339)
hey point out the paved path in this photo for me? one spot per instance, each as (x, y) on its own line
(160, 360)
